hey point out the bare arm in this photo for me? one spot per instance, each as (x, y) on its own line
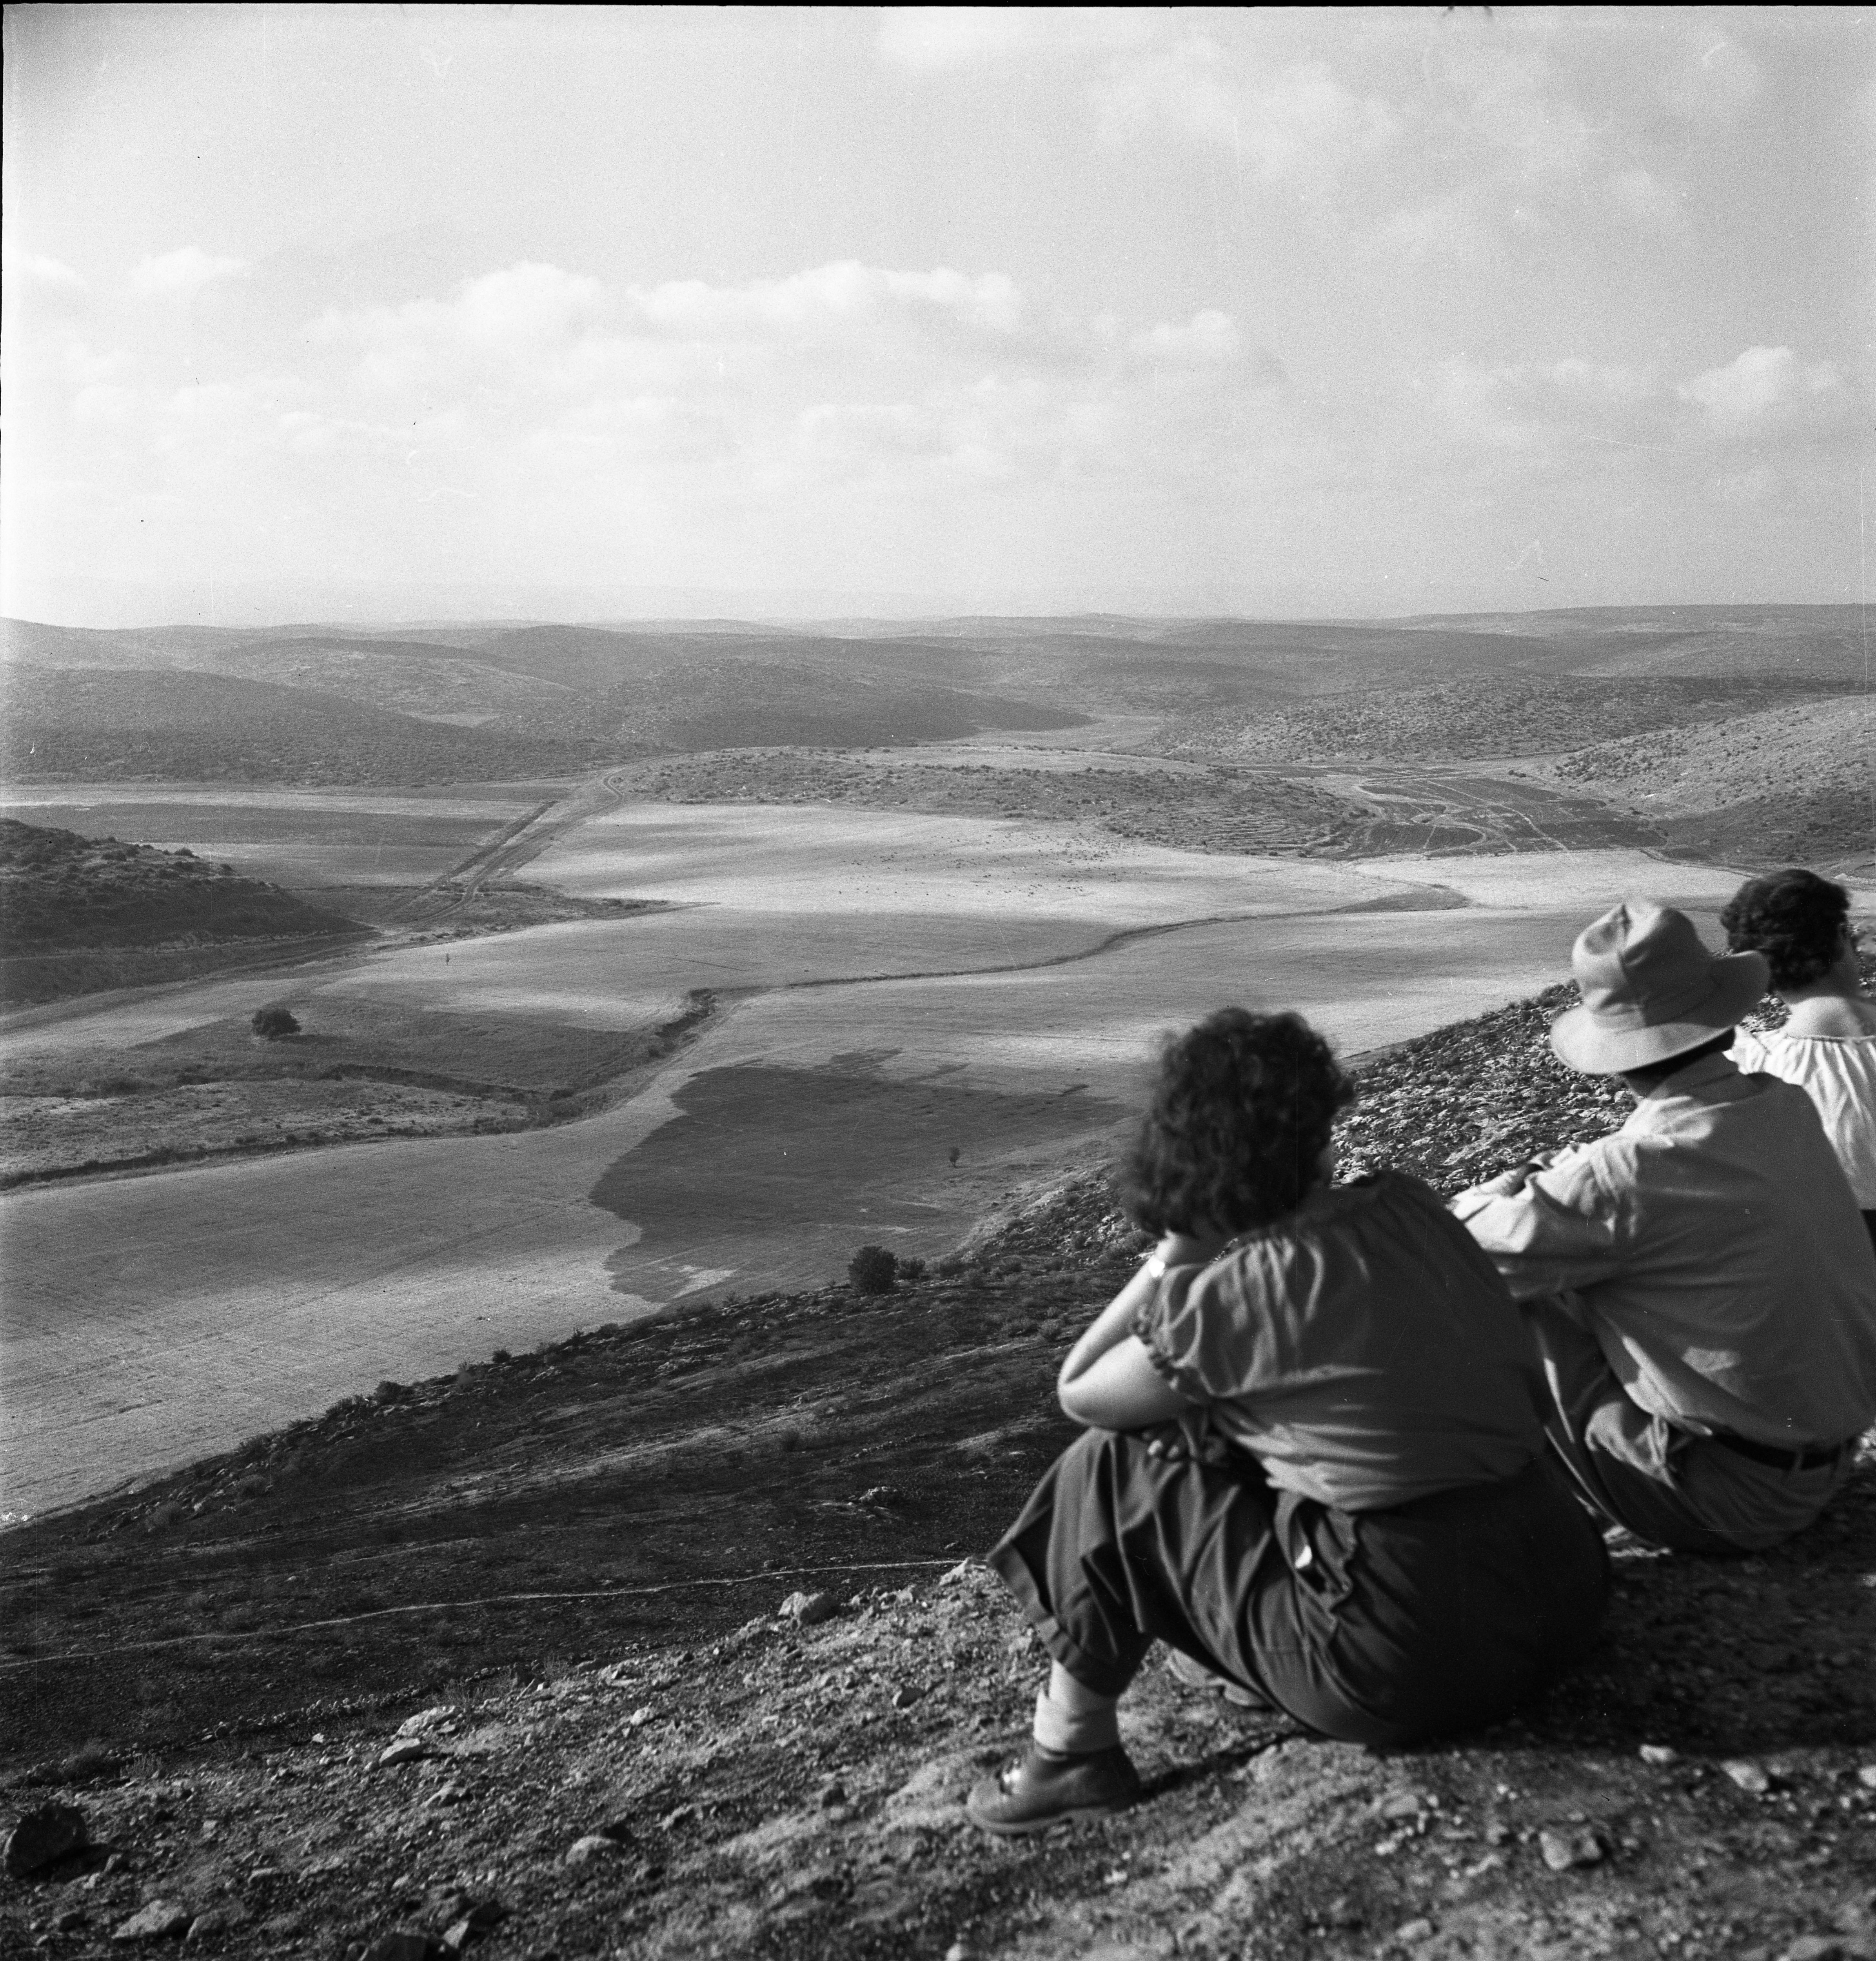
(1108, 1380)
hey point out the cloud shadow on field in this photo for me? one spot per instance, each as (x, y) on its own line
(760, 1149)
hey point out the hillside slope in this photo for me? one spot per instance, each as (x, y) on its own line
(103, 724)
(549, 1584)
(59, 892)
(1795, 783)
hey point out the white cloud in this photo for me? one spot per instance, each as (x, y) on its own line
(182, 273)
(1765, 389)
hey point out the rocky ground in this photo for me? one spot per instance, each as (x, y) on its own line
(664, 1642)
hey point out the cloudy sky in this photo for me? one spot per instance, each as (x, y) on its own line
(413, 310)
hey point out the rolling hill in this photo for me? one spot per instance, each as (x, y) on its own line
(1790, 784)
(106, 724)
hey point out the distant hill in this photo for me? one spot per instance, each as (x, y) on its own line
(1793, 784)
(1511, 715)
(61, 892)
(509, 699)
(106, 724)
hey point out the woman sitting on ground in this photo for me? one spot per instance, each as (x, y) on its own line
(1801, 923)
(1315, 1464)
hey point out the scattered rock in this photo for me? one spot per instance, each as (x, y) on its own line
(682, 1815)
(832, 1792)
(1404, 1804)
(594, 1845)
(1414, 1932)
(1565, 1846)
(906, 1696)
(808, 1610)
(405, 1946)
(1866, 1777)
(161, 1920)
(43, 1837)
(407, 1750)
(1342, 1911)
(73, 1916)
(1824, 1947)
(1748, 1775)
(217, 1920)
(451, 1793)
(425, 1719)
(1659, 1753)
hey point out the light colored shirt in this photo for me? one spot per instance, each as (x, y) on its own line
(1713, 1248)
(1362, 1348)
(1838, 1073)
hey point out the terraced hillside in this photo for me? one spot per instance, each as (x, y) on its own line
(1516, 714)
(1796, 784)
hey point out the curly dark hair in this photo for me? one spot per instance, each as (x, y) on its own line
(1795, 918)
(1241, 1113)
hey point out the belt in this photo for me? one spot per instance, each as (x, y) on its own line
(1814, 1459)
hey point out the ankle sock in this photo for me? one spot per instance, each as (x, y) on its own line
(1074, 1733)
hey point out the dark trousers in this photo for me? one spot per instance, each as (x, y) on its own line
(1665, 1484)
(1380, 1628)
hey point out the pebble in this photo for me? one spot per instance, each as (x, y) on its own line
(217, 1920)
(1659, 1753)
(906, 1697)
(808, 1610)
(407, 1750)
(1403, 1804)
(594, 1845)
(1866, 1777)
(832, 1793)
(1565, 1846)
(1822, 1947)
(451, 1793)
(157, 1921)
(1414, 1932)
(1748, 1775)
(72, 1916)
(43, 1836)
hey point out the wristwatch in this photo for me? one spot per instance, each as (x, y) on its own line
(1155, 1266)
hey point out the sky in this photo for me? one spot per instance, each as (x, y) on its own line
(593, 313)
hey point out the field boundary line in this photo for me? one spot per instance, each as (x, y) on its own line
(488, 1600)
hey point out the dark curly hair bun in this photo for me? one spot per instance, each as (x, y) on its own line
(1795, 918)
(1240, 1116)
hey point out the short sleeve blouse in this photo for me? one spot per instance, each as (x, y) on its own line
(1363, 1348)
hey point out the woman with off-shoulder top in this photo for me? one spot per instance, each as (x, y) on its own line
(1827, 1046)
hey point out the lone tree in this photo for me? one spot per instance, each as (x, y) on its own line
(274, 1023)
(873, 1269)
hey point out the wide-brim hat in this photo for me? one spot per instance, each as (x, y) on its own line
(1651, 990)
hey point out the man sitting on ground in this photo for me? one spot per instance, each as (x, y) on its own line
(1699, 1282)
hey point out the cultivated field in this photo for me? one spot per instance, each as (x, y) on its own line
(298, 838)
(889, 988)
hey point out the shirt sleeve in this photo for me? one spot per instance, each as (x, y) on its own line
(1567, 1228)
(1187, 1328)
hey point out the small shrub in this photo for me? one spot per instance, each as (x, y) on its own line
(873, 1269)
(950, 1266)
(274, 1022)
(913, 1269)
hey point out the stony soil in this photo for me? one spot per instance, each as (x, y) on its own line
(581, 1556)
